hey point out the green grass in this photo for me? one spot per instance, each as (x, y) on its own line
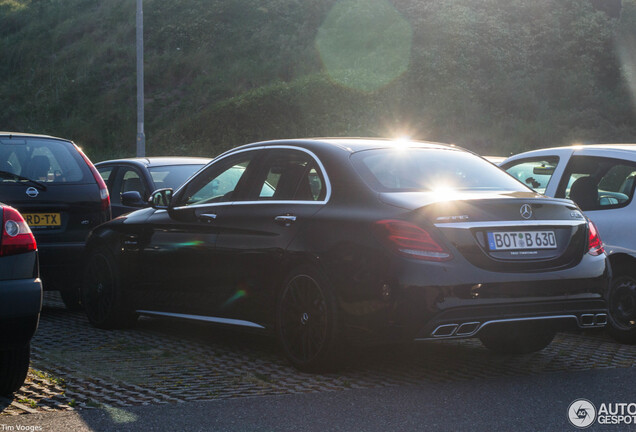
(48, 377)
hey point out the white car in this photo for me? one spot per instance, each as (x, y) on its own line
(600, 180)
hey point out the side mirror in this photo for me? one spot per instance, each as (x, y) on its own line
(133, 199)
(160, 199)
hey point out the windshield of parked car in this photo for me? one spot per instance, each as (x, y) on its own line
(430, 169)
(172, 176)
(41, 160)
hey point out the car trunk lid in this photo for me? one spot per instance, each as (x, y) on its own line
(521, 232)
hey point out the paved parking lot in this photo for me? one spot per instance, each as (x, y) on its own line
(160, 361)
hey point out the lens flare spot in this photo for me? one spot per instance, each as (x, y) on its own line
(364, 44)
(237, 296)
(444, 192)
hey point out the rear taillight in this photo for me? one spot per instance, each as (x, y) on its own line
(594, 242)
(411, 241)
(17, 237)
(103, 190)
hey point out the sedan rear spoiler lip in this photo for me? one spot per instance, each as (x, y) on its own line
(519, 223)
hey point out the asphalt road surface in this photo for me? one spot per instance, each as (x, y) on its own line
(538, 403)
(165, 375)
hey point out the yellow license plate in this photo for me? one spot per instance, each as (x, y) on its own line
(42, 219)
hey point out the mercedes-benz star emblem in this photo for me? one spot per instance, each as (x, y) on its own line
(526, 211)
(32, 192)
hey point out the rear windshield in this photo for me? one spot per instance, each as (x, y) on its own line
(43, 160)
(426, 169)
(172, 176)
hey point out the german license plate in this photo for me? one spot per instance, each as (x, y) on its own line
(42, 219)
(521, 240)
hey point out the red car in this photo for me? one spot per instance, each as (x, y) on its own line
(20, 298)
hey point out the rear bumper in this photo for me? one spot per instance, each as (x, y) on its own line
(466, 323)
(431, 301)
(20, 305)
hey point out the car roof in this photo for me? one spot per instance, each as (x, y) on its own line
(615, 150)
(30, 135)
(157, 161)
(350, 145)
(609, 146)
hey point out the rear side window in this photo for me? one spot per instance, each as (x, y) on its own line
(428, 169)
(535, 173)
(290, 175)
(596, 183)
(43, 160)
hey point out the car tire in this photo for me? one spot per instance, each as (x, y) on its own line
(14, 366)
(517, 339)
(307, 322)
(622, 306)
(102, 293)
(71, 299)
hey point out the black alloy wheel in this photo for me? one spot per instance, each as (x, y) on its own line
(307, 322)
(622, 308)
(101, 293)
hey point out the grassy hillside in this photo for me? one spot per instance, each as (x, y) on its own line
(496, 76)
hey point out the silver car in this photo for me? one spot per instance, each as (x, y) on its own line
(600, 179)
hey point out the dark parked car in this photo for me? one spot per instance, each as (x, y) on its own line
(326, 242)
(130, 181)
(20, 298)
(62, 197)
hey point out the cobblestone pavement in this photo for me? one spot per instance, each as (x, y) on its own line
(162, 361)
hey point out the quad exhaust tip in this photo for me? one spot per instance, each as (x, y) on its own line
(457, 330)
(593, 320)
(467, 329)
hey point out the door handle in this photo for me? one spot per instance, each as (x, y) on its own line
(207, 217)
(285, 220)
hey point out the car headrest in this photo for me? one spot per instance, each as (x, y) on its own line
(584, 192)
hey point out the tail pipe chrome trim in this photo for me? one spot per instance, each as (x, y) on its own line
(593, 320)
(471, 328)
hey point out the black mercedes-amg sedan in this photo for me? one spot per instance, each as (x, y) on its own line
(330, 242)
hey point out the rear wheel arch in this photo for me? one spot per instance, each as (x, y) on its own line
(102, 239)
(622, 298)
(103, 293)
(622, 263)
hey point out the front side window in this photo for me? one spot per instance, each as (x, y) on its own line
(430, 170)
(220, 182)
(596, 183)
(535, 173)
